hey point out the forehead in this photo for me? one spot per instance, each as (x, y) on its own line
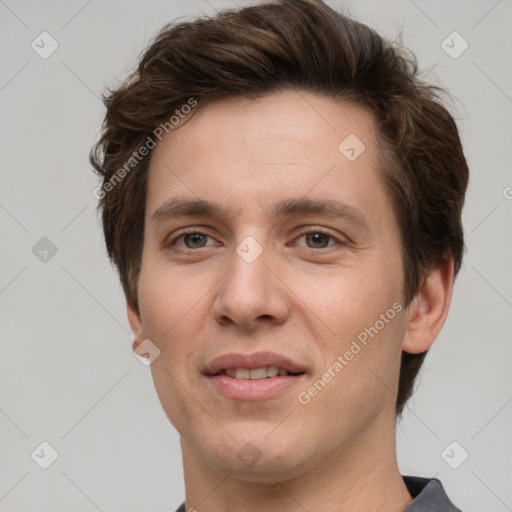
(249, 153)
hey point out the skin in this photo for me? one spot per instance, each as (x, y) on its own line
(303, 297)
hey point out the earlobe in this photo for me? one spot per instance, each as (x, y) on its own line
(427, 312)
(135, 323)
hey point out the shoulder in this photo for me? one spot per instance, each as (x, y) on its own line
(428, 495)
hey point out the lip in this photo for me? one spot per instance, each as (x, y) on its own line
(252, 361)
(253, 389)
(261, 389)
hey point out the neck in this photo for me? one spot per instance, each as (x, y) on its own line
(359, 475)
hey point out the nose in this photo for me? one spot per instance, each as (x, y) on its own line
(250, 296)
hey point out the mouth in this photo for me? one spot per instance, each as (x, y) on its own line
(258, 376)
(265, 372)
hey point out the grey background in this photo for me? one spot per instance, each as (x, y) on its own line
(67, 372)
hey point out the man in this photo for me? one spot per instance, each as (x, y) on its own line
(282, 195)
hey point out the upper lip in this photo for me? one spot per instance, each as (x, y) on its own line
(251, 361)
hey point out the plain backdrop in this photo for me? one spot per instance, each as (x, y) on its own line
(68, 376)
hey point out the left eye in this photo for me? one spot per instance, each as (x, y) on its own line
(318, 239)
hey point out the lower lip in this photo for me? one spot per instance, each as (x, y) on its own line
(260, 389)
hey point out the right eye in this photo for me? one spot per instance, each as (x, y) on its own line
(190, 240)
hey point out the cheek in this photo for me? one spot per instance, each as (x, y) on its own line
(348, 300)
(361, 363)
(166, 307)
(365, 316)
(165, 314)
(166, 298)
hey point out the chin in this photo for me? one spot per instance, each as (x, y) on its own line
(257, 454)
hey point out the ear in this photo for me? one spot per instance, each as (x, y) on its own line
(428, 310)
(135, 323)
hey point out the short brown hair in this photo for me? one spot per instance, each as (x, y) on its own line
(307, 46)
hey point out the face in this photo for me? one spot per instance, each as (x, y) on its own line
(269, 248)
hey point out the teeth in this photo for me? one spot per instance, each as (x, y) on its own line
(272, 371)
(242, 373)
(258, 373)
(255, 373)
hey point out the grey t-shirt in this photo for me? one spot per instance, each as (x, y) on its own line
(428, 496)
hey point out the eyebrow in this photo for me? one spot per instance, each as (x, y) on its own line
(291, 207)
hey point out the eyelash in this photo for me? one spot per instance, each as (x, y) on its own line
(195, 231)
